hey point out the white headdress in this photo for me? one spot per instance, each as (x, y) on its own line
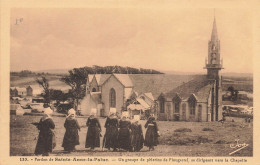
(47, 111)
(112, 110)
(112, 113)
(136, 118)
(93, 111)
(125, 114)
(71, 112)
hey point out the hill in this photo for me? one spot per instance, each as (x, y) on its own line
(54, 82)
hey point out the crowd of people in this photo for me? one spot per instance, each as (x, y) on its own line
(121, 134)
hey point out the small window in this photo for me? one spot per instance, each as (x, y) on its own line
(94, 90)
(168, 107)
(192, 106)
(177, 103)
(162, 105)
(112, 98)
(177, 107)
(183, 107)
(200, 108)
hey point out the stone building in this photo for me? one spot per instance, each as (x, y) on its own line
(13, 92)
(29, 91)
(105, 91)
(21, 92)
(199, 99)
(169, 97)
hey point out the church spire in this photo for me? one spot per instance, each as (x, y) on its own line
(214, 34)
(214, 64)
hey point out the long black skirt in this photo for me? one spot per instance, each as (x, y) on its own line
(151, 137)
(46, 142)
(71, 139)
(93, 137)
(111, 138)
(124, 141)
(137, 141)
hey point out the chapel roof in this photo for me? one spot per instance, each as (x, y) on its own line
(199, 86)
(21, 89)
(152, 85)
(101, 78)
(124, 79)
(157, 83)
(150, 96)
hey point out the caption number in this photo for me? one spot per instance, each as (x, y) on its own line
(23, 159)
(18, 21)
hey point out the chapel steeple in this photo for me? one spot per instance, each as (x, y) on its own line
(213, 64)
(214, 34)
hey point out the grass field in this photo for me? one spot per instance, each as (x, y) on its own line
(201, 139)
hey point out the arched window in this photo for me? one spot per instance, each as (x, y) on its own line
(184, 111)
(162, 105)
(112, 98)
(192, 105)
(177, 103)
(94, 90)
(168, 108)
(184, 107)
(200, 108)
(177, 107)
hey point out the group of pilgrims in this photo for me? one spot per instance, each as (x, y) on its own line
(120, 135)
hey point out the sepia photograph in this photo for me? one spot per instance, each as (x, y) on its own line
(124, 83)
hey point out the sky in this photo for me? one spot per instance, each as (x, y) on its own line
(169, 39)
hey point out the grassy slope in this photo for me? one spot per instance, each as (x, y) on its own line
(54, 82)
(23, 138)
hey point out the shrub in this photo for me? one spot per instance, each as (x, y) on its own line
(183, 130)
(201, 139)
(207, 129)
(186, 140)
(176, 134)
(222, 142)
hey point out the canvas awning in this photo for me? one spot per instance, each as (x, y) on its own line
(139, 105)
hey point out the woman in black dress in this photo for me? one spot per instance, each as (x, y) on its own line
(93, 134)
(46, 139)
(71, 137)
(111, 136)
(124, 141)
(152, 133)
(137, 138)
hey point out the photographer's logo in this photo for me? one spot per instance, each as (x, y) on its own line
(237, 146)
